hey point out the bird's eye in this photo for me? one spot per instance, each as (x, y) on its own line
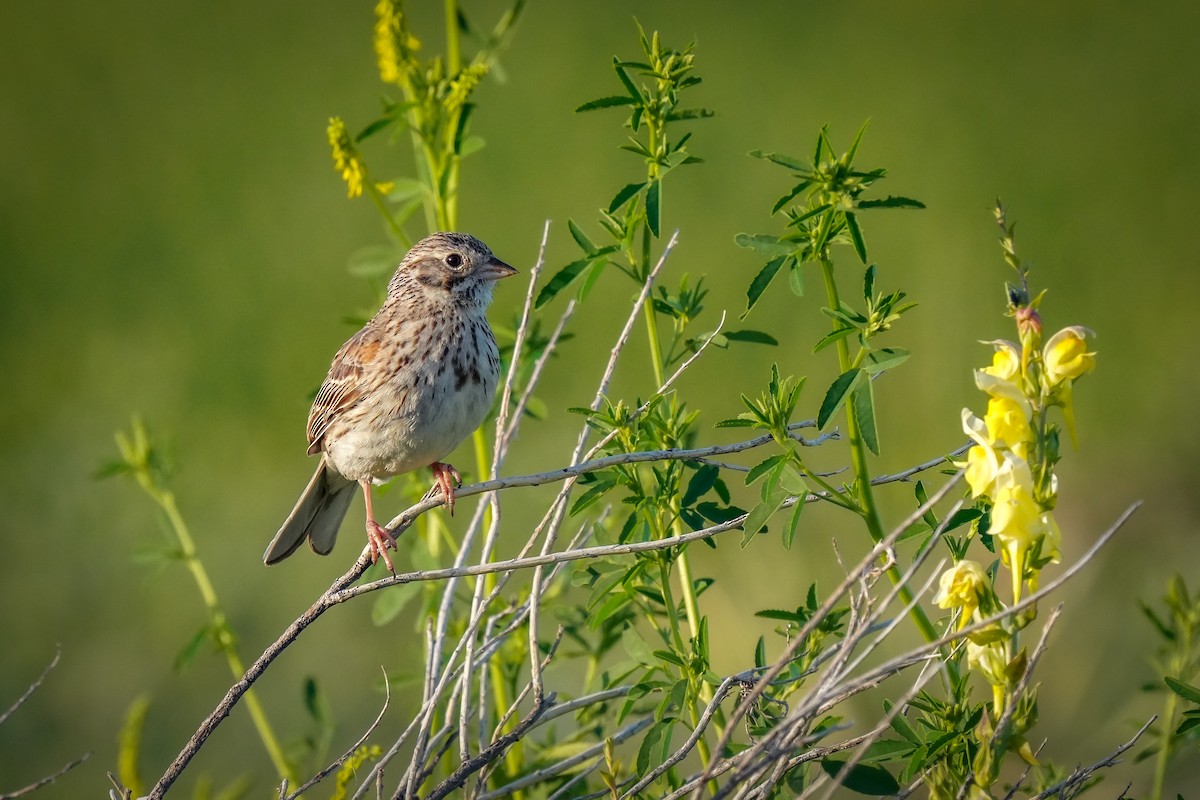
(454, 261)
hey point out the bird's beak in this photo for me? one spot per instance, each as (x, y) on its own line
(496, 269)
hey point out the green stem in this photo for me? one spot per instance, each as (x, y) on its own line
(219, 623)
(862, 473)
(1167, 725)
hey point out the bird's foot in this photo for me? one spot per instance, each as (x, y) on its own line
(447, 479)
(380, 541)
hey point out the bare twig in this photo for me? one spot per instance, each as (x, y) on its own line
(323, 774)
(51, 778)
(1069, 786)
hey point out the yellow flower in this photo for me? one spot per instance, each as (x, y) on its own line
(962, 586)
(1006, 362)
(982, 462)
(1007, 421)
(395, 46)
(463, 84)
(1018, 521)
(989, 661)
(345, 157)
(1066, 356)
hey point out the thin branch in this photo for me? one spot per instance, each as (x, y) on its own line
(51, 778)
(323, 774)
(548, 772)
(235, 692)
(33, 687)
(490, 753)
(1081, 774)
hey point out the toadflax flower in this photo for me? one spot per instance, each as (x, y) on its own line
(1066, 356)
(962, 586)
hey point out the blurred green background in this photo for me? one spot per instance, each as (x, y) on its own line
(174, 242)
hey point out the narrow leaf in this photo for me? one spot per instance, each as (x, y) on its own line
(862, 778)
(764, 243)
(757, 337)
(836, 395)
(864, 409)
(564, 278)
(653, 201)
(856, 236)
(886, 359)
(793, 522)
(606, 102)
(622, 197)
(781, 159)
(796, 279)
(1185, 691)
(700, 483)
(762, 280)
(580, 237)
(891, 202)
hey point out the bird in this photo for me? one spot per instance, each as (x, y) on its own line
(401, 393)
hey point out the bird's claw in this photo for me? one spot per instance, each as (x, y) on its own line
(380, 541)
(447, 479)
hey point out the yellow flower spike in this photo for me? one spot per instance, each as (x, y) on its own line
(1066, 357)
(345, 157)
(463, 84)
(394, 43)
(1007, 421)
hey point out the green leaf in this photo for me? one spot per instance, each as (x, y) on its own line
(886, 359)
(764, 466)
(653, 201)
(856, 236)
(580, 237)
(735, 422)
(564, 278)
(757, 337)
(667, 655)
(862, 778)
(1185, 691)
(793, 522)
(764, 243)
(718, 513)
(762, 280)
(392, 601)
(598, 490)
(760, 653)
(830, 338)
(190, 650)
(796, 279)
(900, 724)
(886, 750)
(836, 395)
(781, 160)
(701, 482)
(869, 283)
(891, 202)
(864, 409)
(607, 102)
(655, 748)
(619, 67)
(622, 197)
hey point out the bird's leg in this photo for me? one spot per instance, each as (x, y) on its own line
(377, 536)
(447, 478)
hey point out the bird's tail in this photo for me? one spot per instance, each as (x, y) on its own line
(317, 516)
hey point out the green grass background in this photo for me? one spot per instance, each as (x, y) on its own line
(173, 242)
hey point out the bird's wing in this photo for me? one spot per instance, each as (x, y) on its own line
(344, 386)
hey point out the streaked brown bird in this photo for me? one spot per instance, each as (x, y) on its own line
(402, 392)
